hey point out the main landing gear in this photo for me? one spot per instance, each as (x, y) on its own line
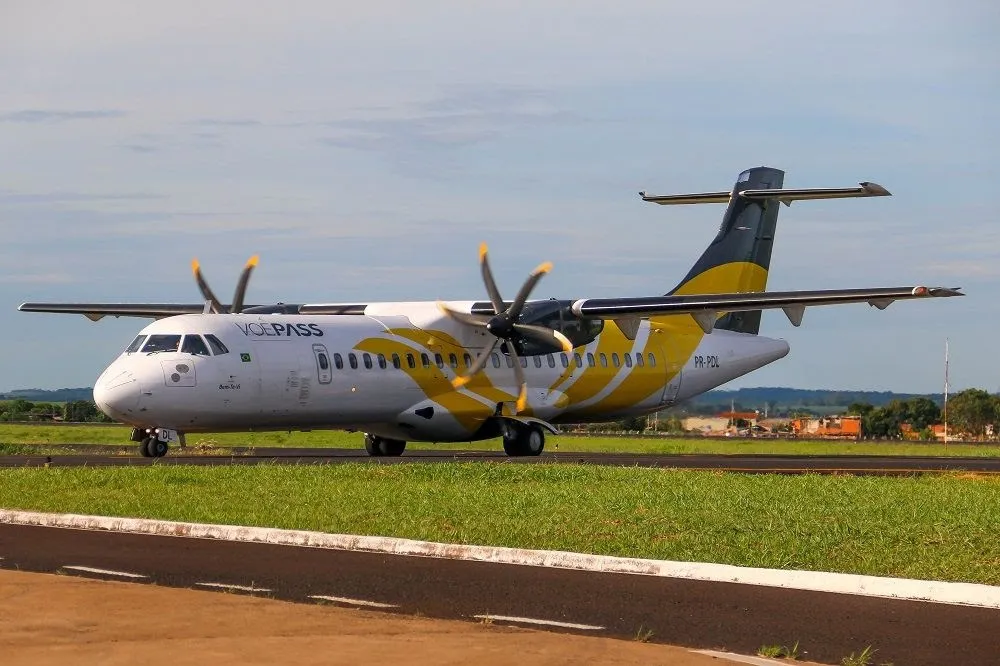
(382, 446)
(523, 439)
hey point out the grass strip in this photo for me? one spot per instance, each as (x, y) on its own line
(18, 434)
(928, 527)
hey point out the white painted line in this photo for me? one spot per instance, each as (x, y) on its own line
(529, 620)
(241, 588)
(106, 572)
(353, 602)
(741, 658)
(970, 594)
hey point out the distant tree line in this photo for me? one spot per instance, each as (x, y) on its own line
(76, 411)
(973, 413)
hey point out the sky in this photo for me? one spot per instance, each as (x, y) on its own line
(364, 150)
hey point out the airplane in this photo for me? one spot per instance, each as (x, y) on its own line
(461, 371)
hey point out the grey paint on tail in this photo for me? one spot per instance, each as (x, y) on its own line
(746, 235)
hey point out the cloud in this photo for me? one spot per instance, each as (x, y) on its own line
(140, 148)
(458, 119)
(49, 116)
(71, 197)
(37, 278)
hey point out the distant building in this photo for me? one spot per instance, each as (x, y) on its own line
(846, 427)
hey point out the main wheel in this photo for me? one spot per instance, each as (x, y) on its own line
(534, 441)
(144, 447)
(391, 447)
(524, 441)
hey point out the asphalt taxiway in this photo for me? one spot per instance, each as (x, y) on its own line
(749, 463)
(693, 613)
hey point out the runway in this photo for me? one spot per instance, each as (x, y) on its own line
(690, 613)
(760, 464)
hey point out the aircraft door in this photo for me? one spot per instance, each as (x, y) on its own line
(324, 373)
(672, 375)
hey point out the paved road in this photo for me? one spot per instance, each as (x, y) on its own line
(869, 465)
(683, 612)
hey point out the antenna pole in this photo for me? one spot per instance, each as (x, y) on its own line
(945, 410)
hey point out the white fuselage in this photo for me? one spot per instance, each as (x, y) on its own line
(389, 372)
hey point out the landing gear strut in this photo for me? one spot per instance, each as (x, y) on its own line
(381, 446)
(523, 440)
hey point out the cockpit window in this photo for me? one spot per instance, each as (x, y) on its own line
(216, 344)
(158, 343)
(134, 347)
(193, 344)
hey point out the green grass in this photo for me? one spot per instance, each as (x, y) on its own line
(118, 435)
(930, 527)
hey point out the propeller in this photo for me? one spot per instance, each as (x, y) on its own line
(241, 287)
(505, 325)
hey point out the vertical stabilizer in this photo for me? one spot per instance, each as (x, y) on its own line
(738, 259)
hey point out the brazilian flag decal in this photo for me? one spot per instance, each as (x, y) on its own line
(245, 357)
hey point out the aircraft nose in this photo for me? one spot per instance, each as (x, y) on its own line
(117, 394)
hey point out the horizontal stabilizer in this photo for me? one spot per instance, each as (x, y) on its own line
(786, 196)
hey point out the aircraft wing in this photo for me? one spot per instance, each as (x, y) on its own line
(95, 311)
(705, 308)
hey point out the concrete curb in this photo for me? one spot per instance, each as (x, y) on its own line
(970, 594)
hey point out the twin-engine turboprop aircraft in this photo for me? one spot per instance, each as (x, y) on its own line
(463, 371)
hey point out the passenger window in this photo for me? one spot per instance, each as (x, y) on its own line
(590, 359)
(193, 344)
(468, 360)
(425, 360)
(652, 360)
(367, 358)
(565, 359)
(353, 360)
(439, 360)
(628, 360)
(216, 345)
(410, 361)
(604, 360)
(496, 360)
(578, 359)
(134, 346)
(638, 359)
(510, 362)
(552, 361)
(453, 360)
(614, 360)
(324, 362)
(381, 361)
(395, 361)
(338, 361)
(524, 362)
(538, 361)
(159, 343)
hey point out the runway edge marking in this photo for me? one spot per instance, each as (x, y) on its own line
(967, 594)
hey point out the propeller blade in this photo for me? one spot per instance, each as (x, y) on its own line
(241, 286)
(206, 291)
(544, 336)
(477, 365)
(522, 393)
(491, 285)
(463, 317)
(526, 288)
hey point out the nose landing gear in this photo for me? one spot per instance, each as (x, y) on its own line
(153, 442)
